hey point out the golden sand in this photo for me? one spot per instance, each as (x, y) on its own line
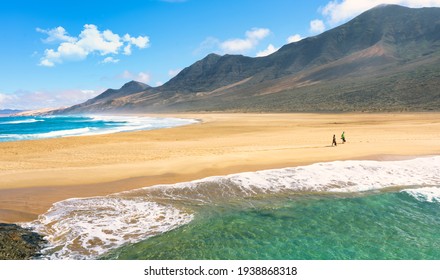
(35, 174)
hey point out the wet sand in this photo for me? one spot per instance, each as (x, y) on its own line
(35, 174)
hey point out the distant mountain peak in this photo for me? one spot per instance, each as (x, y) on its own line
(388, 7)
(383, 6)
(135, 85)
(10, 111)
(127, 89)
(213, 55)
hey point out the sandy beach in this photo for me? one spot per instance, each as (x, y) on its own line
(35, 174)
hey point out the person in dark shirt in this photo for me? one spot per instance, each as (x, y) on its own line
(334, 140)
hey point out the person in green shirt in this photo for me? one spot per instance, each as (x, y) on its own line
(343, 137)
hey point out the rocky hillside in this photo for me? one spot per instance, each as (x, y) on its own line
(386, 59)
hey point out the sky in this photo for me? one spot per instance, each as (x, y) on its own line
(61, 53)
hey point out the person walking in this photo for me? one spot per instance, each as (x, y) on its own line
(334, 140)
(343, 137)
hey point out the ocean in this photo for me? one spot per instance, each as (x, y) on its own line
(41, 127)
(338, 210)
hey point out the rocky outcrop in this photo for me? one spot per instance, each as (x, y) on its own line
(17, 243)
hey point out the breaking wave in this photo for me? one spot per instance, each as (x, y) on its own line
(427, 194)
(66, 126)
(87, 228)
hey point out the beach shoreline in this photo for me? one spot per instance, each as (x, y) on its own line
(36, 174)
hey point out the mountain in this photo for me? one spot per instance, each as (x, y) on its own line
(386, 59)
(105, 101)
(9, 111)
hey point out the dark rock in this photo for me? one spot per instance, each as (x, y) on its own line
(17, 243)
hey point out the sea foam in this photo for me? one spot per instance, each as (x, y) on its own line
(68, 126)
(125, 124)
(87, 228)
(22, 121)
(427, 194)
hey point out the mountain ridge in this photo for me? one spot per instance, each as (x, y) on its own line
(384, 44)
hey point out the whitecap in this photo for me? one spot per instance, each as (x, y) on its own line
(52, 134)
(111, 124)
(427, 194)
(22, 121)
(87, 228)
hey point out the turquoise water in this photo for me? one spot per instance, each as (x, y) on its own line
(40, 127)
(391, 225)
(334, 210)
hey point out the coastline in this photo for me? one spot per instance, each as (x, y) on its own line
(35, 174)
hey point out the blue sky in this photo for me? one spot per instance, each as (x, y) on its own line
(59, 53)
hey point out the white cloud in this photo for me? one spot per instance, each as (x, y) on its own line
(58, 34)
(89, 92)
(3, 97)
(233, 46)
(93, 40)
(46, 62)
(174, 72)
(143, 77)
(127, 49)
(110, 59)
(140, 42)
(251, 40)
(75, 96)
(209, 44)
(126, 75)
(236, 45)
(339, 11)
(6, 100)
(29, 100)
(257, 33)
(72, 51)
(140, 77)
(269, 50)
(90, 41)
(294, 38)
(317, 26)
(65, 51)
